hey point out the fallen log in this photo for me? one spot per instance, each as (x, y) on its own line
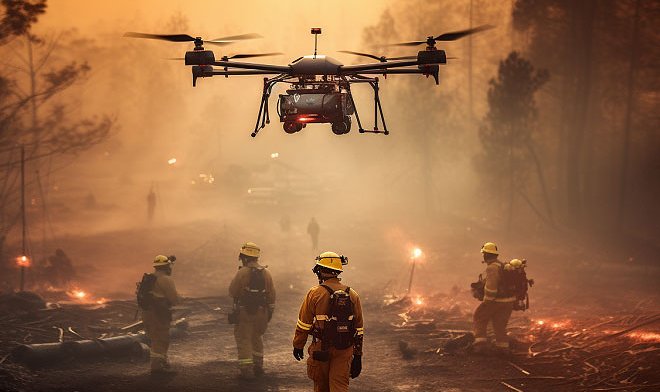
(129, 346)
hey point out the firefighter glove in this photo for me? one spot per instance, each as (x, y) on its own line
(298, 354)
(356, 366)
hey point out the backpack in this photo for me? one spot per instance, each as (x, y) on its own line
(514, 283)
(339, 329)
(254, 295)
(145, 297)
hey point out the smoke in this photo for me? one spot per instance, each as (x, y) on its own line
(374, 196)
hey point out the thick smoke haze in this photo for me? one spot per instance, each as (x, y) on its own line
(375, 196)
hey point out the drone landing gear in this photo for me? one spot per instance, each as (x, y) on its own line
(378, 109)
(263, 118)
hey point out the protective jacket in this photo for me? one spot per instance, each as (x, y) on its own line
(164, 288)
(314, 311)
(242, 280)
(493, 289)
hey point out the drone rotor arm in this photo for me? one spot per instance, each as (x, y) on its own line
(348, 69)
(284, 69)
(244, 72)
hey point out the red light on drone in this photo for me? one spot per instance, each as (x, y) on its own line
(305, 119)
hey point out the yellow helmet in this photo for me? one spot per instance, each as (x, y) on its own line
(161, 260)
(490, 247)
(250, 249)
(332, 261)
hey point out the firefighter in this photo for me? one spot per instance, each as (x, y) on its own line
(313, 230)
(254, 302)
(335, 353)
(496, 307)
(158, 317)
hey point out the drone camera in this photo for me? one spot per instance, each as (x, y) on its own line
(316, 30)
(199, 57)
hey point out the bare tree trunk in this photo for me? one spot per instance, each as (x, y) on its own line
(509, 219)
(541, 177)
(632, 70)
(470, 95)
(582, 23)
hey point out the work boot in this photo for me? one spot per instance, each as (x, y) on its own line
(481, 348)
(502, 350)
(160, 367)
(246, 373)
(258, 365)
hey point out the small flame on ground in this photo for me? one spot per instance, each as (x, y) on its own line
(552, 324)
(645, 336)
(23, 261)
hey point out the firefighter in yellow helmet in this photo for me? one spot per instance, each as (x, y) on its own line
(497, 304)
(254, 302)
(332, 314)
(158, 316)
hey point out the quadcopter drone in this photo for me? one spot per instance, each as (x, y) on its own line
(320, 86)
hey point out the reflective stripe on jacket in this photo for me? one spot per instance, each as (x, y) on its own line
(493, 281)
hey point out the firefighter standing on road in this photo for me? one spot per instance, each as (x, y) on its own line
(254, 302)
(313, 230)
(497, 305)
(158, 316)
(332, 314)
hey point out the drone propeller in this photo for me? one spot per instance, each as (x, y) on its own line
(382, 59)
(188, 38)
(236, 56)
(451, 36)
(247, 56)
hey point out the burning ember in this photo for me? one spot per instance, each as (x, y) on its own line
(645, 336)
(552, 324)
(23, 261)
(77, 294)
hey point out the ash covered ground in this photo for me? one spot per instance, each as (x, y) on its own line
(579, 334)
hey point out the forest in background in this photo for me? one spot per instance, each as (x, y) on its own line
(544, 124)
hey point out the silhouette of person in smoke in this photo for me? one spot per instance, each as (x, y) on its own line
(59, 269)
(313, 230)
(151, 205)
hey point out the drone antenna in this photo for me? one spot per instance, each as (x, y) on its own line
(316, 31)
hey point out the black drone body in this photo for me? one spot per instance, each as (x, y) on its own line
(320, 86)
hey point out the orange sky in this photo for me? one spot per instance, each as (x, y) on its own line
(284, 23)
